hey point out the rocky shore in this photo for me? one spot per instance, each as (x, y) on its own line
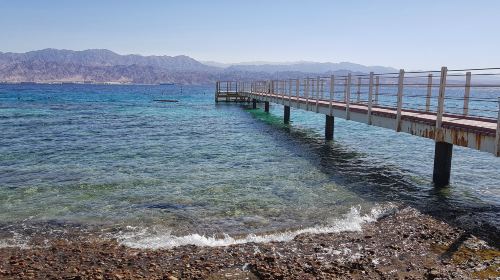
(403, 245)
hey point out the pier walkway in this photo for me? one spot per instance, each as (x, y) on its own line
(448, 106)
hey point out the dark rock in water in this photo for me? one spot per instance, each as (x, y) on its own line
(165, 206)
(166, 100)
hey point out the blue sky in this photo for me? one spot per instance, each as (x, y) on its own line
(404, 34)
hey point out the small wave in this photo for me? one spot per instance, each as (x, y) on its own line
(152, 239)
(16, 240)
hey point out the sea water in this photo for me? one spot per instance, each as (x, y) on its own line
(158, 174)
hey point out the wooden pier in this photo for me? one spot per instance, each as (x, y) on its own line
(444, 105)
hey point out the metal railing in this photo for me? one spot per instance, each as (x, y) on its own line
(472, 94)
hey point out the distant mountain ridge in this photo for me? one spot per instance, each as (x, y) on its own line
(103, 57)
(303, 66)
(105, 66)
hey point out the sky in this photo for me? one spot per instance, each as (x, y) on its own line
(414, 35)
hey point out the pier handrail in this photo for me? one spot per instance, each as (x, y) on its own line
(471, 94)
(464, 92)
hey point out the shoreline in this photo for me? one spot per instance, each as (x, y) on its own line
(406, 243)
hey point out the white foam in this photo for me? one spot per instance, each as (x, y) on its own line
(152, 239)
(16, 240)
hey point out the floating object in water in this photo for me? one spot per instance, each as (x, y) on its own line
(166, 100)
(166, 84)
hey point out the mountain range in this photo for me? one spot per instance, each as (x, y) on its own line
(105, 66)
(301, 66)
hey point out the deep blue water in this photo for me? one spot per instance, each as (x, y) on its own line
(113, 157)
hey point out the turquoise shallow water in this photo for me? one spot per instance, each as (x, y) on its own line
(111, 156)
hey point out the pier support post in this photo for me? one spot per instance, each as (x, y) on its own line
(254, 103)
(442, 164)
(266, 106)
(286, 115)
(329, 123)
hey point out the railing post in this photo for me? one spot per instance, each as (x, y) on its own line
(265, 88)
(498, 131)
(332, 92)
(468, 77)
(289, 92)
(377, 85)
(322, 95)
(348, 97)
(271, 90)
(312, 88)
(297, 92)
(306, 93)
(251, 89)
(400, 99)
(283, 92)
(429, 94)
(317, 93)
(345, 89)
(442, 90)
(358, 94)
(276, 91)
(370, 97)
